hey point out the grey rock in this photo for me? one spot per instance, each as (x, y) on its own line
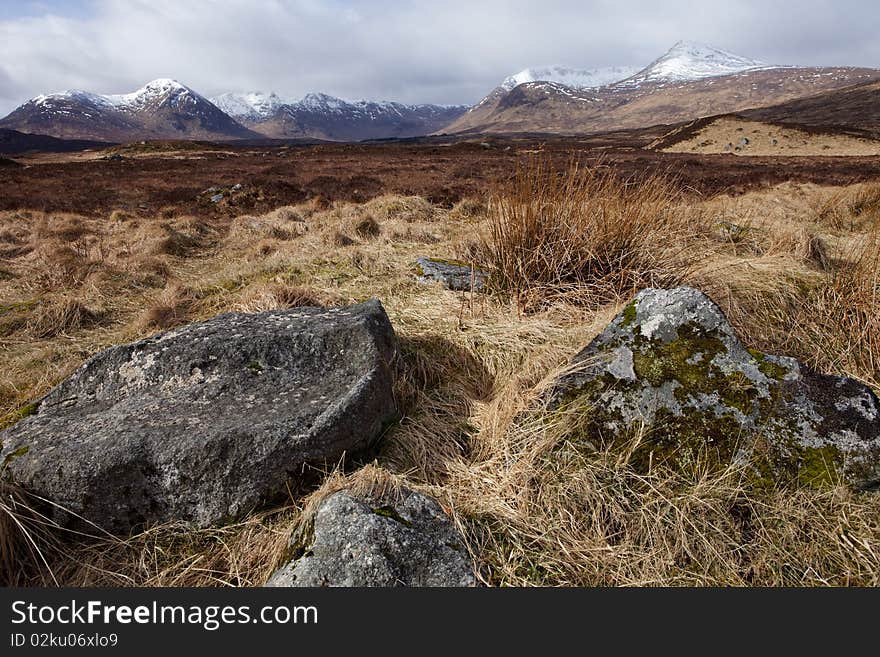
(216, 198)
(207, 422)
(454, 275)
(671, 362)
(358, 541)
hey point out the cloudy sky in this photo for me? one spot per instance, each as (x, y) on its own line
(449, 51)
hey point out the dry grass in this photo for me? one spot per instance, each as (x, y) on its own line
(587, 235)
(837, 327)
(855, 208)
(537, 504)
(546, 507)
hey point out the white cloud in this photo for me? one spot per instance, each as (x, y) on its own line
(415, 51)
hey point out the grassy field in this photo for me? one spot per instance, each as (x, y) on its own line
(794, 266)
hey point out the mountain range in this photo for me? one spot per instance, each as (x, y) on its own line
(690, 80)
(168, 109)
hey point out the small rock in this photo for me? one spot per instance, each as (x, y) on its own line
(207, 422)
(216, 198)
(672, 362)
(405, 540)
(454, 275)
(236, 187)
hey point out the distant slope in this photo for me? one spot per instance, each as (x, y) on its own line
(13, 142)
(855, 107)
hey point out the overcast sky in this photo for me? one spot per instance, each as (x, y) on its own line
(449, 51)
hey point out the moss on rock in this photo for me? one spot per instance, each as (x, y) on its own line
(671, 367)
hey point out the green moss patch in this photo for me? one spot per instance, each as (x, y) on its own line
(389, 511)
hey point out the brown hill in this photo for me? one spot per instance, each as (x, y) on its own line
(741, 136)
(855, 108)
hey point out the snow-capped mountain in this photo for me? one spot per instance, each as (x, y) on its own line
(161, 109)
(690, 80)
(322, 116)
(570, 77)
(690, 60)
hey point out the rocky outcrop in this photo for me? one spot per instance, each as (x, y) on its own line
(671, 362)
(400, 540)
(204, 423)
(453, 274)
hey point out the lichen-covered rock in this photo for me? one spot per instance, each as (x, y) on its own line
(404, 540)
(671, 362)
(206, 422)
(454, 275)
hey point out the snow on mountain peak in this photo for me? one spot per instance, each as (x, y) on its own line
(254, 104)
(686, 60)
(74, 95)
(157, 89)
(570, 77)
(691, 60)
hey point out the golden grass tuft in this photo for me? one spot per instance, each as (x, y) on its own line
(174, 307)
(280, 296)
(587, 235)
(406, 209)
(57, 318)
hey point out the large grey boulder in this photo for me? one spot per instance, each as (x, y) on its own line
(672, 364)
(404, 540)
(204, 423)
